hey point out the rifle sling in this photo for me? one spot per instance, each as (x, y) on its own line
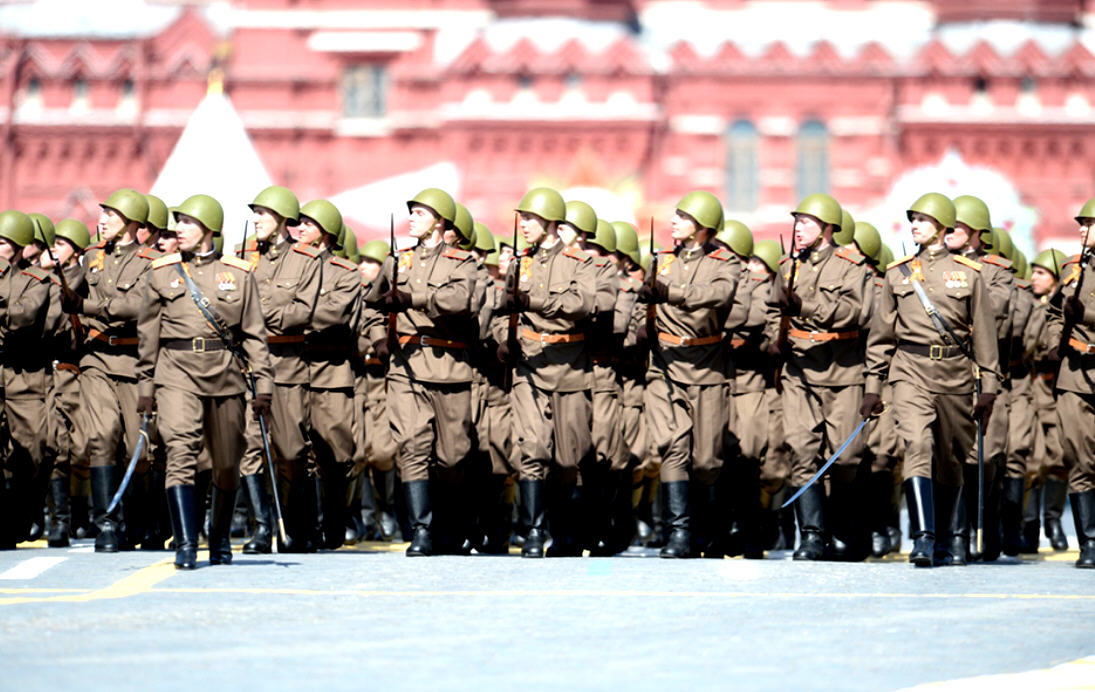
(224, 332)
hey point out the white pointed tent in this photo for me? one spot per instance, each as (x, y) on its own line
(215, 156)
(952, 176)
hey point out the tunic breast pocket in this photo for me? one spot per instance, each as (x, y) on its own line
(229, 305)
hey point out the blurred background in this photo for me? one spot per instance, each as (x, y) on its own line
(627, 104)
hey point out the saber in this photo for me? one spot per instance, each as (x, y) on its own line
(836, 455)
(142, 441)
(269, 461)
(979, 530)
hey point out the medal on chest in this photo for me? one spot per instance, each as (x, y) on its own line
(525, 273)
(96, 264)
(405, 260)
(955, 279)
(917, 273)
(226, 281)
(663, 270)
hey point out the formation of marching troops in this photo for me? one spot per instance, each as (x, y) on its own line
(571, 389)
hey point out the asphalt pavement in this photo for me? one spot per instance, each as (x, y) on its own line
(370, 618)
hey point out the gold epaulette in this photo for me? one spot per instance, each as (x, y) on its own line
(851, 255)
(962, 259)
(167, 260)
(456, 253)
(722, 255)
(899, 262)
(236, 262)
(997, 260)
(37, 273)
(306, 249)
(345, 264)
(576, 254)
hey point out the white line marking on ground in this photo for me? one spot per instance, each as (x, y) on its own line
(30, 569)
(82, 549)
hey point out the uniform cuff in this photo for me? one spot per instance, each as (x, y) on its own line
(873, 385)
(419, 300)
(146, 388)
(94, 306)
(536, 302)
(264, 386)
(675, 295)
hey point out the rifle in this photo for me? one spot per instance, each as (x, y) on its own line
(1066, 333)
(651, 307)
(77, 328)
(243, 245)
(393, 317)
(514, 318)
(785, 320)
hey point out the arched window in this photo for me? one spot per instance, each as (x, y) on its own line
(740, 188)
(812, 166)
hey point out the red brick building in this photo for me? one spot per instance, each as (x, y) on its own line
(758, 101)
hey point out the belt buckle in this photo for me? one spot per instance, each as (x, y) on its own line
(194, 343)
(814, 332)
(543, 338)
(110, 340)
(935, 352)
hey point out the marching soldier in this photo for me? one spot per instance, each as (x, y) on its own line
(823, 376)
(1022, 419)
(148, 235)
(550, 399)
(687, 388)
(198, 313)
(932, 377)
(287, 275)
(430, 375)
(1074, 330)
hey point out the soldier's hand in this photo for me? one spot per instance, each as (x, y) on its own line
(71, 301)
(1074, 310)
(146, 404)
(654, 292)
(516, 301)
(982, 411)
(381, 350)
(790, 304)
(400, 302)
(260, 406)
(508, 352)
(871, 406)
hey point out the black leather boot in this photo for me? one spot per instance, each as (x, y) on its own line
(848, 542)
(958, 529)
(1083, 513)
(384, 482)
(809, 509)
(184, 524)
(157, 523)
(102, 491)
(880, 489)
(1054, 496)
(60, 513)
(563, 510)
(678, 520)
(711, 525)
(1032, 523)
(949, 514)
(300, 510)
(261, 541)
(220, 528)
(1011, 515)
(532, 507)
(918, 495)
(420, 515)
(335, 497)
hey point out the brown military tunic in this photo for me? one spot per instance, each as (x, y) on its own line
(933, 382)
(1022, 417)
(603, 344)
(687, 395)
(287, 275)
(633, 364)
(1076, 380)
(198, 385)
(430, 376)
(823, 375)
(1047, 458)
(68, 430)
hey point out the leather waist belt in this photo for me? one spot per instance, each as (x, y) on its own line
(546, 338)
(933, 351)
(112, 340)
(1047, 376)
(373, 360)
(689, 340)
(285, 339)
(67, 366)
(737, 343)
(431, 341)
(196, 345)
(823, 336)
(1081, 347)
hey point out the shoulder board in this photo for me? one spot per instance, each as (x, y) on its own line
(851, 254)
(1071, 260)
(997, 260)
(600, 262)
(236, 262)
(962, 259)
(456, 253)
(37, 273)
(757, 277)
(166, 260)
(666, 251)
(305, 249)
(1022, 283)
(721, 254)
(576, 254)
(99, 245)
(345, 264)
(899, 262)
(147, 252)
(785, 259)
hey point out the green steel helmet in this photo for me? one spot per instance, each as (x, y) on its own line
(846, 233)
(581, 216)
(936, 205)
(44, 231)
(325, 214)
(768, 251)
(545, 203)
(349, 245)
(973, 212)
(887, 256)
(627, 240)
(704, 207)
(205, 209)
(440, 201)
(1087, 211)
(157, 213)
(644, 259)
(16, 227)
(281, 201)
(868, 240)
(74, 232)
(1020, 265)
(484, 239)
(491, 260)
(465, 226)
(605, 237)
(504, 241)
(171, 218)
(1000, 243)
(1050, 260)
(218, 243)
(822, 207)
(129, 203)
(375, 250)
(737, 237)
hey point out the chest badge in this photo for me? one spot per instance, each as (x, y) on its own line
(226, 281)
(664, 264)
(955, 279)
(175, 283)
(526, 270)
(405, 258)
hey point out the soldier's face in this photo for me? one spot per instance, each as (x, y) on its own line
(1042, 281)
(807, 230)
(1087, 232)
(568, 234)
(144, 233)
(757, 266)
(370, 269)
(533, 227)
(423, 221)
(958, 237)
(64, 251)
(111, 223)
(190, 233)
(8, 249)
(683, 225)
(30, 252)
(310, 233)
(168, 242)
(450, 237)
(266, 222)
(924, 228)
(505, 255)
